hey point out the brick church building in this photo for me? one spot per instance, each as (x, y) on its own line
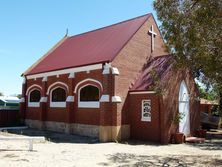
(114, 83)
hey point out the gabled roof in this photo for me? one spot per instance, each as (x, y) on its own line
(156, 70)
(101, 45)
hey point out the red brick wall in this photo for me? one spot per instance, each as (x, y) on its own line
(32, 113)
(78, 115)
(149, 131)
(85, 115)
(130, 62)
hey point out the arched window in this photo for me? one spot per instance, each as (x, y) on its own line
(88, 97)
(184, 109)
(89, 93)
(34, 98)
(58, 97)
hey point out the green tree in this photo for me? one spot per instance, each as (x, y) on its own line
(192, 30)
(1, 94)
(208, 94)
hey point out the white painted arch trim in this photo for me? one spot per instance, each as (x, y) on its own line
(57, 83)
(87, 104)
(31, 87)
(85, 80)
(56, 104)
(66, 71)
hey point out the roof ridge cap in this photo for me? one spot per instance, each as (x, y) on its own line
(97, 29)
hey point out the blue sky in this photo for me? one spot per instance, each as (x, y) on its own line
(29, 28)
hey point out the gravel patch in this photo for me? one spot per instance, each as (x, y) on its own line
(72, 150)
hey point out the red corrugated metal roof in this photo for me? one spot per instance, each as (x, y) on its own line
(93, 47)
(157, 70)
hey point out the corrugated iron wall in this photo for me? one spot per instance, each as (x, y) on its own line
(9, 117)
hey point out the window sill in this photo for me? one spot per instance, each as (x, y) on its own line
(146, 119)
(89, 104)
(33, 104)
(58, 104)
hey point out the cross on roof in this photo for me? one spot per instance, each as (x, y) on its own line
(153, 34)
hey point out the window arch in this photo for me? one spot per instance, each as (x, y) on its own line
(58, 97)
(34, 98)
(34, 86)
(88, 96)
(57, 83)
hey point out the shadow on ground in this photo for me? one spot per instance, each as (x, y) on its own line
(213, 142)
(124, 160)
(55, 136)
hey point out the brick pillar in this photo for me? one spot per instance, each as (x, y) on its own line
(43, 104)
(110, 117)
(105, 132)
(116, 107)
(70, 103)
(23, 101)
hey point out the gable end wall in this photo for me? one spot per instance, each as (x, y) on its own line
(130, 62)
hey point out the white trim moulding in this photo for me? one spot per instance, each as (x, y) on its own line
(22, 100)
(104, 98)
(45, 79)
(43, 99)
(142, 92)
(33, 104)
(72, 75)
(66, 71)
(115, 71)
(116, 99)
(58, 104)
(106, 68)
(88, 104)
(70, 99)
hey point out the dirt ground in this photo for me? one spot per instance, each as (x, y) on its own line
(62, 150)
